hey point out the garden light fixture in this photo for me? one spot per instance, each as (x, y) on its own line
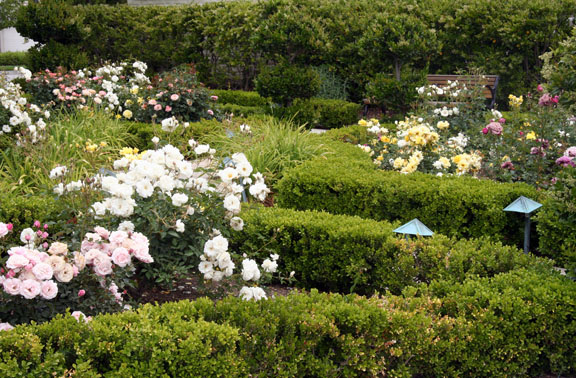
(525, 206)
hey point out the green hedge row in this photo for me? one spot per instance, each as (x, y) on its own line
(515, 324)
(461, 207)
(242, 98)
(14, 58)
(320, 113)
(349, 254)
(230, 41)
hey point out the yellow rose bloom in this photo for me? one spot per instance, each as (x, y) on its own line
(531, 135)
(363, 122)
(442, 125)
(127, 114)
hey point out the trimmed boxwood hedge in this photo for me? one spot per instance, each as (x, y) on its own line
(515, 324)
(344, 253)
(242, 98)
(453, 206)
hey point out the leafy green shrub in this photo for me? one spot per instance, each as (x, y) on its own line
(242, 111)
(317, 112)
(523, 318)
(395, 95)
(9, 58)
(242, 98)
(560, 70)
(55, 54)
(556, 221)
(453, 206)
(284, 83)
(342, 253)
(317, 335)
(350, 134)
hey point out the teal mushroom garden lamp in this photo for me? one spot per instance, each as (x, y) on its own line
(414, 227)
(525, 206)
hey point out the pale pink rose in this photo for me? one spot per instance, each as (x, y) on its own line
(56, 262)
(81, 293)
(30, 289)
(17, 262)
(43, 257)
(75, 270)
(102, 265)
(157, 107)
(140, 239)
(104, 233)
(18, 251)
(168, 108)
(121, 257)
(79, 315)
(49, 289)
(118, 237)
(214, 98)
(91, 255)
(11, 273)
(152, 102)
(570, 151)
(174, 97)
(6, 327)
(3, 230)
(66, 274)
(211, 112)
(43, 271)
(12, 286)
(79, 260)
(143, 256)
(58, 248)
(86, 246)
(129, 244)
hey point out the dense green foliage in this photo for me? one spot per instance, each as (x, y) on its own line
(468, 329)
(321, 113)
(285, 83)
(343, 254)
(560, 70)
(242, 98)
(453, 206)
(229, 41)
(10, 58)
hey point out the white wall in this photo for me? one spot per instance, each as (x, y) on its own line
(10, 40)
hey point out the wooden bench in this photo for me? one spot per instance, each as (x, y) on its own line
(489, 82)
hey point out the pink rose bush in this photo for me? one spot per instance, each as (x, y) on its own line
(40, 271)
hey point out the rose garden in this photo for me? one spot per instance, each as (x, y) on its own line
(227, 189)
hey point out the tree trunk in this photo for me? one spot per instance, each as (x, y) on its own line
(397, 68)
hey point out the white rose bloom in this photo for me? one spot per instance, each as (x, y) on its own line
(166, 183)
(144, 188)
(179, 199)
(237, 223)
(180, 227)
(126, 226)
(250, 270)
(169, 124)
(59, 171)
(202, 149)
(205, 267)
(220, 243)
(27, 235)
(252, 293)
(232, 204)
(270, 266)
(155, 140)
(228, 174)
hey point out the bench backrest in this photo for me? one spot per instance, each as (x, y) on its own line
(489, 82)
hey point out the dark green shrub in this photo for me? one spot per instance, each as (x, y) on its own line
(453, 206)
(322, 113)
(343, 253)
(393, 95)
(242, 98)
(284, 83)
(560, 70)
(55, 54)
(332, 86)
(242, 111)
(556, 221)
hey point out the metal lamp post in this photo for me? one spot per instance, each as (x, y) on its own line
(414, 227)
(525, 206)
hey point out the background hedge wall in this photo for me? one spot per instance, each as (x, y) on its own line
(229, 41)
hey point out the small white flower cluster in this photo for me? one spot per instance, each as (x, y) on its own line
(245, 129)
(446, 112)
(29, 118)
(458, 142)
(216, 262)
(453, 89)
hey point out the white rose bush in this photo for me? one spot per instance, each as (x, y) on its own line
(185, 202)
(41, 278)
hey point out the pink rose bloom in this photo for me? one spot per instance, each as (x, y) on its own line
(102, 265)
(81, 293)
(570, 151)
(87, 246)
(104, 233)
(10, 226)
(174, 97)
(214, 98)
(540, 88)
(91, 255)
(545, 100)
(168, 108)
(494, 127)
(102, 93)
(210, 112)
(17, 261)
(152, 102)
(49, 289)
(18, 251)
(11, 273)
(118, 237)
(507, 165)
(555, 99)
(30, 289)
(6, 327)
(157, 107)
(37, 223)
(12, 286)
(565, 161)
(43, 271)
(121, 257)
(485, 131)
